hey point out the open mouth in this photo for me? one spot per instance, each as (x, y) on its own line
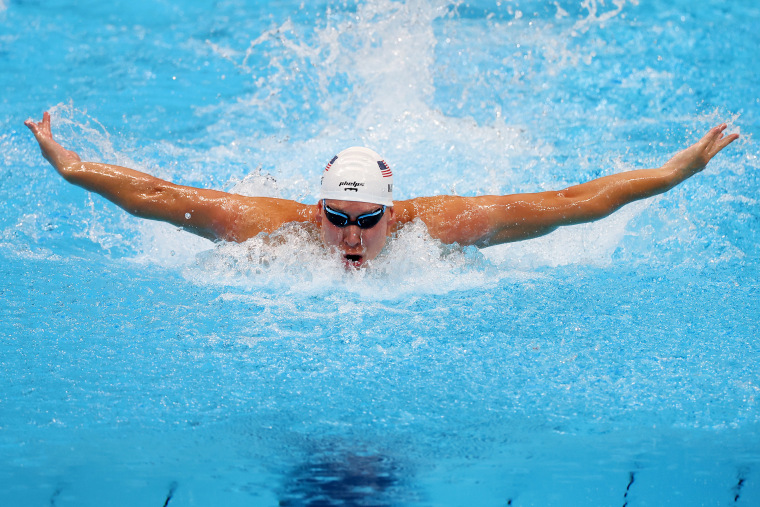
(353, 260)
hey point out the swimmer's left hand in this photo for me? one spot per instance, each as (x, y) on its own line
(694, 158)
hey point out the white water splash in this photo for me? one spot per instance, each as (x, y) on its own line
(386, 55)
(293, 260)
(595, 17)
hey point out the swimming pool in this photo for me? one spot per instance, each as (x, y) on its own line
(610, 364)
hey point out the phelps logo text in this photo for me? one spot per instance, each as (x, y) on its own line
(350, 185)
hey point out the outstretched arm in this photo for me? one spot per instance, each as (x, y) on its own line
(208, 213)
(490, 220)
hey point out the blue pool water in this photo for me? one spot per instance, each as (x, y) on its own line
(615, 363)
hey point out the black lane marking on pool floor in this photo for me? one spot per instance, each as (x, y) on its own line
(631, 478)
(172, 489)
(741, 478)
(55, 495)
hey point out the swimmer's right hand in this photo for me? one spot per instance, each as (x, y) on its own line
(58, 156)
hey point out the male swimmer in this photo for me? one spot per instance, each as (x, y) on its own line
(356, 213)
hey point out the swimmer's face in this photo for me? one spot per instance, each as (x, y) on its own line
(356, 245)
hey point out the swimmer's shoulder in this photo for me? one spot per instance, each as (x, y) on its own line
(449, 218)
(249, 216)
(426, 208)
(407, 211)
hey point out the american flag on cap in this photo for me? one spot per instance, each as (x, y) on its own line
(384, 169)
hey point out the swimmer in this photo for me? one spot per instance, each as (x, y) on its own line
(356, 213)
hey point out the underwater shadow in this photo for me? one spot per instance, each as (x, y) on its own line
(343, 478)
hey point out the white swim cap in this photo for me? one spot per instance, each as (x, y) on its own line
(358, 174)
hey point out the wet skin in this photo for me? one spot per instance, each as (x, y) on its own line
(482, 221)
(355, 245)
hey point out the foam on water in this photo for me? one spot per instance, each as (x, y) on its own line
(383, 55)
(294, 261)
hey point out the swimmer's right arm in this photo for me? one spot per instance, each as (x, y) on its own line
(209, 213)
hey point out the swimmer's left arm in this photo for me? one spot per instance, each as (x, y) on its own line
(491, 220)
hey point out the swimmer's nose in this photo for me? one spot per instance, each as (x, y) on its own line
(352, 236)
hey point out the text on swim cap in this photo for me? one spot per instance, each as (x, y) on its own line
(350, 184)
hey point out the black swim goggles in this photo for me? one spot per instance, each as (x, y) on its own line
(366, 221)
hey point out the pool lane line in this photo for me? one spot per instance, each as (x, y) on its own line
(631, 479)
(55, 495)
(741, 476)
(172, 489)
